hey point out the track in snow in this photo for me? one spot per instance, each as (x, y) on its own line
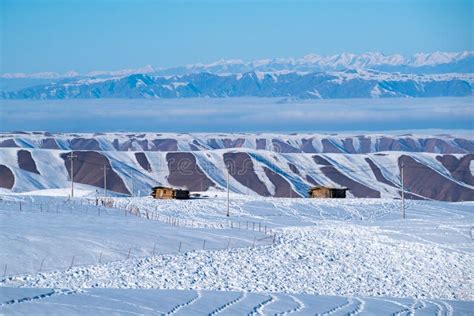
(129, 301)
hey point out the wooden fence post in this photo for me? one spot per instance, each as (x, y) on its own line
(129, 250)
(5, 271)
(228, 244)
(154, 247)
(179, 249)
(100, 258)
(204, 245)
(41, 266)
(72, 262)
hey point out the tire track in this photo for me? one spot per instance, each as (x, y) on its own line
(218, 310)
(359, 307)
(258, 310)
(299, 306)
(178, 307)
(449, 308)
(332, 311)
(53, 292)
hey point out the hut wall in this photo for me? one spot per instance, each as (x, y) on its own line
(163, 194)
(321, 193)
(181, 194)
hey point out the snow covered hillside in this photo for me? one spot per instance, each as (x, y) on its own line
(254, 172)
(453, 142)
(328, 256)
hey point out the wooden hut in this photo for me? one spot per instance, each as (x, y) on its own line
(327, 193)
(169, 193)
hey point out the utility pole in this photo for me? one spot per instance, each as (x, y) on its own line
(71, 159)
(228, 197)
(403, 192)
(105, 179)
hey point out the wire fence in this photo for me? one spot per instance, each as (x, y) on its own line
(259, 235)
(60, 263)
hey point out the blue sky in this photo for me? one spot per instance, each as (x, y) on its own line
(106, 35)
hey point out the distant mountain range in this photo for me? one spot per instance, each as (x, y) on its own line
(326, 85)
(369, 75)
(421, 63)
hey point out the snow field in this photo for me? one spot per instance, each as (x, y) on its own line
(327, 260)
(96, 301)
(359, 251)
(48, 238)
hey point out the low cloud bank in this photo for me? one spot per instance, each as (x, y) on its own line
(237, 115)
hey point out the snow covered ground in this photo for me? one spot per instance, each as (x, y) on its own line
(358, 251)
(49, 231)
(196, 302)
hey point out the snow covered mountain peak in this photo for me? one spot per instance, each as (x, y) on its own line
(420, 63)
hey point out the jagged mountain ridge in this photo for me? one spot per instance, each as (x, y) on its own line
(420, 63)
(320, 85)
(283, 143)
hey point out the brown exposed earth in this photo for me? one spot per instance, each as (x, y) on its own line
(143, 161)
(261, 143)
(282, 147)
(8, 143)
(88, 169)
(459, 168)
(165, 144)
(378, 174)
(185, 173)
(426, 182)
(84, 144)
(282, 187)
(329, 147)
(241, 168)
(321, 161)
(7, 179)
(356, 188)
(26, 162)
(49, 143)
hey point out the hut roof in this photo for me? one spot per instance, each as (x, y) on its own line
(162, 187)
(325, 187)
(167, 188)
